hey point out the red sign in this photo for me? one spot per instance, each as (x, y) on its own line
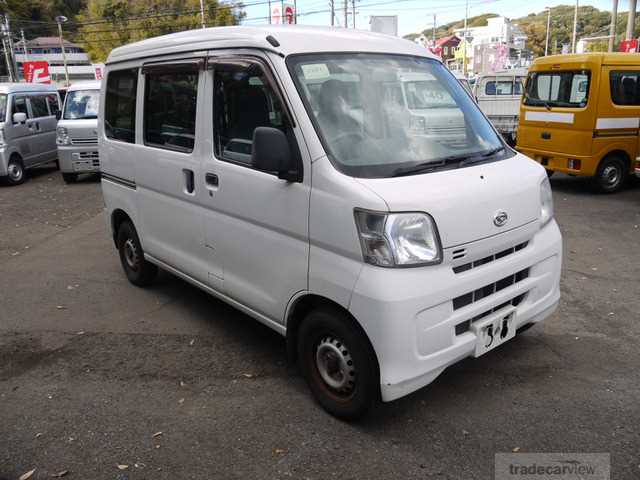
(288, 14)
(36, 72)
(629, 46)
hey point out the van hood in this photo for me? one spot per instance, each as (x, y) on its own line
(464, 202)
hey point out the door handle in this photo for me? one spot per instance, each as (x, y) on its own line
(211, 179)
(189, 183)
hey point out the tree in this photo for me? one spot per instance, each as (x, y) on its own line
(106, 24)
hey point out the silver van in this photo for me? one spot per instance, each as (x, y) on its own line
(77, 135)
(27, 128)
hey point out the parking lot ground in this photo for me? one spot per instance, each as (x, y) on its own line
(169, 383)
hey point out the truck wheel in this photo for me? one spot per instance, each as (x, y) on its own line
(611, 174)
(338, 363)
(70, 177)
(15, 171)
(138, 270)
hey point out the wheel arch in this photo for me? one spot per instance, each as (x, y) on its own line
(118, 216)
(617, 152)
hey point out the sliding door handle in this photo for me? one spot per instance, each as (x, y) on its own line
(211, 179)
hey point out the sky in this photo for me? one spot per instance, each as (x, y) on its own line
(414, 15)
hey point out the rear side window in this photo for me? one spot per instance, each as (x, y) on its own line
(54, 106)
(557, 89)
(120, 105)
(170, 109)
(39, 106)
(625, 88)
(503, 87)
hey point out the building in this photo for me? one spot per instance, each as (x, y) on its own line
(48, 49)
(499, 32)
(448, 46)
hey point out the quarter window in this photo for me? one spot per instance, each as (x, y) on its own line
(243, 100)
(120, 105)
(558, 89)
(39, 106)
(625, 88)
(170, 110)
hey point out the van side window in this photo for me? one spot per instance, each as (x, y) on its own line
(625, 88)
(39, 106)
(243, 100)
(170, 109)
(120, 105)
(504, 87)
(54, 106)
(20, 106)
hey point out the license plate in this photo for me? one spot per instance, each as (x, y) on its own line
(494, 330)
(83, 165)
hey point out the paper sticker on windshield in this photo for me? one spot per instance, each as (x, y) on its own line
(314, 71)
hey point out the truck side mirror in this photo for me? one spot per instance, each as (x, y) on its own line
(271, 151)
(19, 117)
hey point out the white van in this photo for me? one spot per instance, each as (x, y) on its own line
(77, 132)
(383, 256)
(27, 128)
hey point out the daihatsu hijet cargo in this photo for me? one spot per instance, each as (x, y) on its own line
(27, 128)
(580, 115)
(382, 254)
(77, 132)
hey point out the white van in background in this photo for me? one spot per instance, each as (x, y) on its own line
(498, 96)
(405, 254)
(27, 128)
(77, 132)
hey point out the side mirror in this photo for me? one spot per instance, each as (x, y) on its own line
(58, 114)
(19, 117)
(271, 152)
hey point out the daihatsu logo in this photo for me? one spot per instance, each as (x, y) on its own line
(500, 218)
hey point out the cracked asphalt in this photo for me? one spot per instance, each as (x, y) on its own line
(104, 380)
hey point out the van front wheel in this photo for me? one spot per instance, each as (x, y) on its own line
(138, 270)
(15, 171)
(338, 363)
(611, 174)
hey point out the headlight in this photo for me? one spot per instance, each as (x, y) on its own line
(398, 239)
(546, 202)
(62, 136)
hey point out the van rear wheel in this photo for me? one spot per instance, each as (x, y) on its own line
(611, 174)
(138, 270)
(15, 171)
(338, 363)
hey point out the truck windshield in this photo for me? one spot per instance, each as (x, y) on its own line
(382, 115)
(3, 107)
(81, 105)
(557, 89)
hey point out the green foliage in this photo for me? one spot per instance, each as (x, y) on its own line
(111, 23)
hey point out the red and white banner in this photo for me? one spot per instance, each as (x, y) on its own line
(289, 14)
(36, 72)
(98, 69)
(629, 46)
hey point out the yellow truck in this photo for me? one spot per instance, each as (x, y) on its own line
(580, 115)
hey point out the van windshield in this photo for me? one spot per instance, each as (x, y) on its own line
(3, 107)
(382, 115)
(81, 105)
(557, 89)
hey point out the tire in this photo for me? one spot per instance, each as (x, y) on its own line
(70, 177)
(139, 272)
(331, 348)
(16, 173)
(549, 172)
(611, 174)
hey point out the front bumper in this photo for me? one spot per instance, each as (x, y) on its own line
(79, 159)
(419, 319)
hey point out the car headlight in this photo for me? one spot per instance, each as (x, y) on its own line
(398, 239)
(62, 136)
(546, 202)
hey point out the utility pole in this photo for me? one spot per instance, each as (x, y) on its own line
(631, 20)
(575, 26)
(202, 13)
(546, 42)
(295, 12)
(24, 45)
(353, 9)
(8, 53)
(60, 19)
(612, 27)
(464, 45)
(434, 29)
(346, 13)
(269, 12)
(333, 13)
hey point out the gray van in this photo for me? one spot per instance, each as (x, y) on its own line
(27, 128)
(77, 135)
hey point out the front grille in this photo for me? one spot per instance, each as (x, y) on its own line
(84, 141)
(466, 325)
(480, 293)
(489, 259)
(88, 155)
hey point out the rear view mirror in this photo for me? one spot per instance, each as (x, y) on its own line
(271, 151)
(19, 117)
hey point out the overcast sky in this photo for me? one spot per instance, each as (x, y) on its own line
(416, 15)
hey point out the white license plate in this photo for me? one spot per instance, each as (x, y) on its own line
(494, 330)
(83, 166)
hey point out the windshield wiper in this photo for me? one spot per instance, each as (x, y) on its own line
(481, 156)
(462, 160)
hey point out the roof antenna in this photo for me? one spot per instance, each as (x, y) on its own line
(271, 39)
